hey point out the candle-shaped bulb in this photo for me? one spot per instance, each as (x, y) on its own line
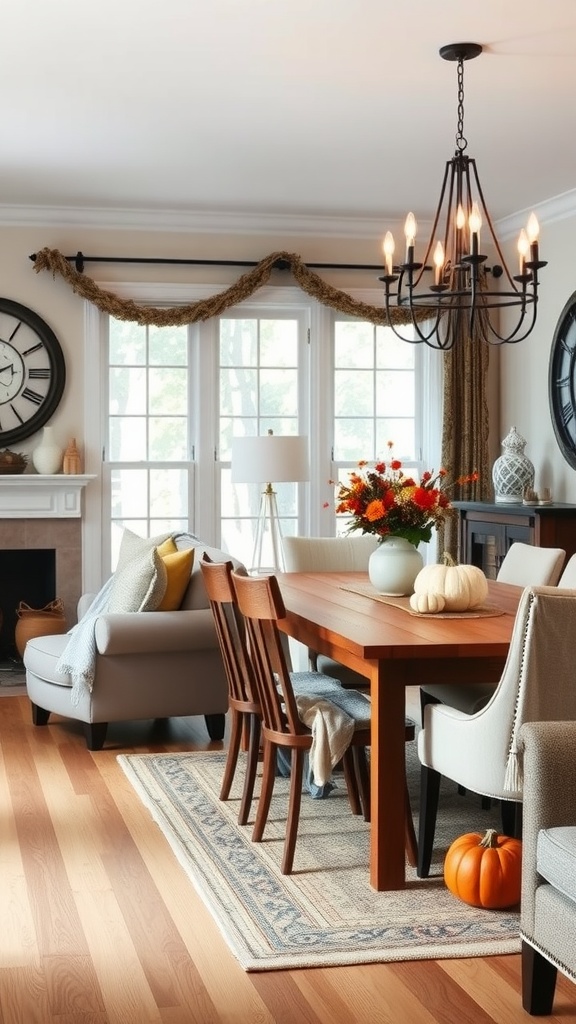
(523, 248)
(388, 247)
(460, 217)
(438, 262)
(410, 233)
(533, 228)
(475, 219)
(410, 227)
(475, 223)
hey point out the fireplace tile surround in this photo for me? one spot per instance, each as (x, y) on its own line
(46, 512)
(65, 537)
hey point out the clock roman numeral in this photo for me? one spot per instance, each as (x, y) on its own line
(566, 346)
(16, 413)
(32, 396)
(563, 382)
(567, 413)
(17, 328)
(35, 348)
(43, 373)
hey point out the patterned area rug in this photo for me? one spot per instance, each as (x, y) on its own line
(325, 913)
(12, 678)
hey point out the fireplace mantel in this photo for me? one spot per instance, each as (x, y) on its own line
(33, 496)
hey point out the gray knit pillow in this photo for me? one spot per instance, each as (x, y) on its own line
(140, 579)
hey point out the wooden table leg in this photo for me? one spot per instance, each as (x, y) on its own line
(387, 779)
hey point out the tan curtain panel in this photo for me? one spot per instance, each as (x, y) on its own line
(465, 427)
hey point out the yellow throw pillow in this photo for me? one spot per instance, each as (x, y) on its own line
(167, 547)
(178, 568)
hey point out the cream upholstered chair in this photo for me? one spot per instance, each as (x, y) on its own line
(568, 577)
(548, 903)
(331, 554)
(480, 751)
(525, 566)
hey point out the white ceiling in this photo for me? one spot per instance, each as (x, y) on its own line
(337, 108)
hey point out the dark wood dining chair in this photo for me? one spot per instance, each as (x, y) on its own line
(245, 711)
(260, 602)
(244, 703)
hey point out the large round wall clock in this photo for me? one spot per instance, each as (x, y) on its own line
(562, 381)
(32, 372)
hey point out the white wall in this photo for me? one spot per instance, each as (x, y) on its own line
(524, 367)
(53, 300)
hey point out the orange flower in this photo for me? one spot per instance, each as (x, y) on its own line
(375, 510)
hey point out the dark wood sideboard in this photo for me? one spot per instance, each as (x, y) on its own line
(486, 530)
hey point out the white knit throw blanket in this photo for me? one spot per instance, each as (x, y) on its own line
(78, 659)
(332, 729)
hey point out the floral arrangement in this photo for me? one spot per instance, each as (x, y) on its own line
(388, 502)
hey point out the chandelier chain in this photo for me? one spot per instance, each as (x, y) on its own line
(461, 141)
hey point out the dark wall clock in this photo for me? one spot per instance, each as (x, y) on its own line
(32, 372)
(562, 381)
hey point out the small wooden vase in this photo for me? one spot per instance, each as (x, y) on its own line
(32, 622)
(71, 463)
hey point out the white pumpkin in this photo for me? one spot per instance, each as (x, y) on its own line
(427, 604)
(463, 587)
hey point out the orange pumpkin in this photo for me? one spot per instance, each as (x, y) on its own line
(484, 871)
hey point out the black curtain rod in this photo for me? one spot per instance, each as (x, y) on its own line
(79, 260)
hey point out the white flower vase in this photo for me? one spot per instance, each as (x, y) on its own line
(393, 567)
(47, 457)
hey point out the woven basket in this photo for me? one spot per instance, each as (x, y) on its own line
(33, 622)
(12, 462)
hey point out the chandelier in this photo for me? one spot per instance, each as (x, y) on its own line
(451, 292)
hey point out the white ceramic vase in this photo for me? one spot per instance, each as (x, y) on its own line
(512, 472)
(47, 457)
(393, 567)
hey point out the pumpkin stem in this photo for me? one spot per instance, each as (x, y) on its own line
(490, 840)
(448, 560)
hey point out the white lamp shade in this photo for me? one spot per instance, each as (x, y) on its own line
(269, 459)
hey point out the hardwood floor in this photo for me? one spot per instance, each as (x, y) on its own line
(99, 924)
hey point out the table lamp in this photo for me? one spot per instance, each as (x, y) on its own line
(263, 460)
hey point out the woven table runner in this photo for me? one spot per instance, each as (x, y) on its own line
(367, 590)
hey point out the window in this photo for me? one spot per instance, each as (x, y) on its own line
(262, 366)
(148, 429)
(375, 386)
(173, 398)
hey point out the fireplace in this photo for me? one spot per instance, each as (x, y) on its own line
(45, 562)
(27, 575)
(41, 526)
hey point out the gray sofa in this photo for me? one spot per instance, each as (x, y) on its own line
(548, 908)
(153, 664)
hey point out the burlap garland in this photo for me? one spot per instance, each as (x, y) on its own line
(245, 286)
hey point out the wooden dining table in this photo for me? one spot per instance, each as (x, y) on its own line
(340, 615)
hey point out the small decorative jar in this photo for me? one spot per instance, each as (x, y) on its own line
(393, 567)
(47, 457)
(72, 463)
(513, 472)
